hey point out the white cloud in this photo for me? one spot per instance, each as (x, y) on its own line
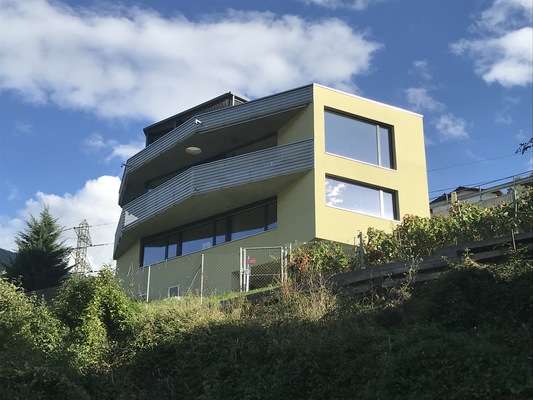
(13, 194)
(422, 67)
(505, 15)
(504, 53)
(97, 143)
(451, 127)
(137, 63)
(421, 100)
(357, 5)
(96, 202)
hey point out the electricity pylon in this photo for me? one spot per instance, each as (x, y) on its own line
(81, 261)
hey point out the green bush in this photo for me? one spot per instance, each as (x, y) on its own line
(99, 317)
(417, 237)
(318, 260)
(32, 361)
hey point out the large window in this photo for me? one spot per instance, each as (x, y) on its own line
(359, 139)
(360, 198)
(231, 226)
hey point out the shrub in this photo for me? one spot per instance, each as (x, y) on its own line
(99, 316)
(31, 349)
(318, 260)
(417, 237)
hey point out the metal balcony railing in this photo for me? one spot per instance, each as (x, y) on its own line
(235, 171)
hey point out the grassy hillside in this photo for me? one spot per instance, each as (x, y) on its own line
(467, 335)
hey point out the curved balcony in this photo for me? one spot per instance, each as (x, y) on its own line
(214, 132)
(212, 188)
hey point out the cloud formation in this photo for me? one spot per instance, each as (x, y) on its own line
(96, 202)
(96, 143)
(420, 99)
(504, 53)
(137, 63)
(451, 127)
(356, 5)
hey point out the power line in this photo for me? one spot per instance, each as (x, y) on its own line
(475, 184)
(470, 163)
(470, 139)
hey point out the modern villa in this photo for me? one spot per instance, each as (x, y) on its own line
(307, 164)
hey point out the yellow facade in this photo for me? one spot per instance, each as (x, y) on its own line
(409, 179)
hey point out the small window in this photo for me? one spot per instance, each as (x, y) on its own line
(174, 291)
(360, 198)
(358, 139)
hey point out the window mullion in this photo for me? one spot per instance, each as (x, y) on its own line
(381, 204)
(378, 145)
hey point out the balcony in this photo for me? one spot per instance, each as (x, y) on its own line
(214, 132)
(212, 188)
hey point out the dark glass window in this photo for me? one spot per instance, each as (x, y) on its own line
(220, 231)
(358, 140)
(272, 216)
(184, 241)
(173, 245)
(154, 251)
(248, 223)
(197, 238)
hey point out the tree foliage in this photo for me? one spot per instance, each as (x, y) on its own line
(524, 147)
(41, 260)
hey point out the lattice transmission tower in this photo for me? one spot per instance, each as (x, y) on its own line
(81, 261)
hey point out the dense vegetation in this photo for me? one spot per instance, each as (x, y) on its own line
(466, 335)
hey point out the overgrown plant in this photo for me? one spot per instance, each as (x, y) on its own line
(317, 261)
(98, 314)
(417, 237)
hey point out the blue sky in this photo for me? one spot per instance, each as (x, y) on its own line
(80, 79)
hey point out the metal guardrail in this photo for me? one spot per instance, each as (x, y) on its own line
(239, 170)
(224, 117)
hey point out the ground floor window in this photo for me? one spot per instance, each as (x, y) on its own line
(357, 197)
(234, 225)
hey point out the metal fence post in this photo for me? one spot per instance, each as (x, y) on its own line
(148, 283)
(241, 269)
(361, 250)
(202, 281)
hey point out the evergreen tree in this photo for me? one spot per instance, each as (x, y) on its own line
(41, 261)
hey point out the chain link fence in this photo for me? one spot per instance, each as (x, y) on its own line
(207, 275)
(262, 267)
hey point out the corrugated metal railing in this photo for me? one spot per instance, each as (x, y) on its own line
(252, 167)
(224, 117)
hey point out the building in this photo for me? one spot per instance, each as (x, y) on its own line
(309, 163)
(484, 197)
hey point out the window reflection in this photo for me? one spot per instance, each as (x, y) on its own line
(198, 238)
(220, 230)
(248, 223)
(358, 140)
(154, 251)
(360, 198)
